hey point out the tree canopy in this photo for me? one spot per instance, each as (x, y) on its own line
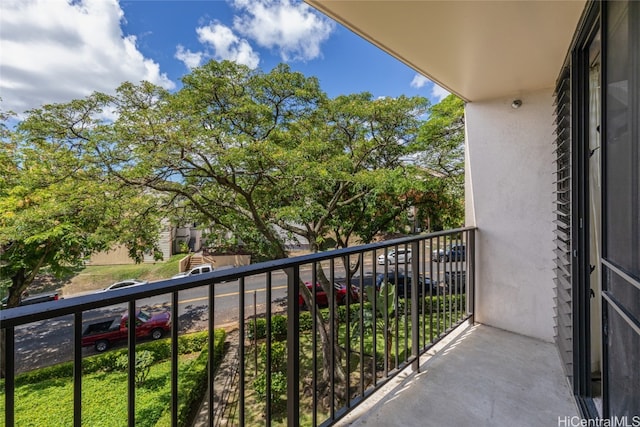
(57, 208)
(441, 154)
(265, 156)
(254, 153)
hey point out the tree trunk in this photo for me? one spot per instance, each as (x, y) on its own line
(325, 340)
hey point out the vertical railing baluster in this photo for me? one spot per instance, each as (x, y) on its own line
(471, 273)
(131, 329)
(77, 369)
(211, 356)
(332, 339)
(374, 312)
(423, 281)
(449, 290)
(415, 327)
(386, 312)
(432, 281)
(454, 291)
(241, 353)
(407, 295)
(397, 310)
(268, 348)
(314, 346)
(347, 335)
(361, 320)
(10, 376)
(438, 290)
(293, 347)
(461, 242)
(174, 359)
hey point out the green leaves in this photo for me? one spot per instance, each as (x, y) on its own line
(59, 203)
(383, 308)
(261, 156)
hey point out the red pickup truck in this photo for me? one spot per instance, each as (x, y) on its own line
(102, 334)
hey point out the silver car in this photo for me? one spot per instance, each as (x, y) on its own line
(404, 256)
(125, 284)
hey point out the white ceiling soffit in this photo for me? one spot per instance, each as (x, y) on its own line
(476, 49)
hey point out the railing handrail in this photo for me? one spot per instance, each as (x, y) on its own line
(17, 316)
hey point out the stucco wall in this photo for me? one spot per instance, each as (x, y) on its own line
(509, 196)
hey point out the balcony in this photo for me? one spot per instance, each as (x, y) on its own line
(362, 353)
(477, 376)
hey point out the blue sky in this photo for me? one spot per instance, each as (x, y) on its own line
(58, 50)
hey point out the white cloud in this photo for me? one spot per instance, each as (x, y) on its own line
(227, 45)
(419, 81)
(295, 30)
(439, 93)
(190, 59)
(57, 50)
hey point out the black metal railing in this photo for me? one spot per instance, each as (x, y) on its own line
(316, 334)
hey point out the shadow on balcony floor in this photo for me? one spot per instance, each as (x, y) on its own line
(482, 377)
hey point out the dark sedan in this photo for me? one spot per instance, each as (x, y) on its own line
(398, 279)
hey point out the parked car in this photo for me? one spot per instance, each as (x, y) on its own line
(322, 300)
(455, 281)
(125, 284)
(450, 253)
(404, 256)
(402, 281)
(399, 279)
(199, 269)
(104, 333)
(27, 299)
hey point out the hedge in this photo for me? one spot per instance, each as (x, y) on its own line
(161, 349)
(433, 304)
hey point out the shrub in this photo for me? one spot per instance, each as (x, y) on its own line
(257, 329)
(278, 388)
(354, 310)
(277, 374)
(306, 321)
(278, 356)
(279, 327)
(193, 342)
(161, 350)
(143, 361)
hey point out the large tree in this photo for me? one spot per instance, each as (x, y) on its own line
(58, 208)
(441, 140)
(255, 153)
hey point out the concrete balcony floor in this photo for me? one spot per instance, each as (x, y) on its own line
(480, 376)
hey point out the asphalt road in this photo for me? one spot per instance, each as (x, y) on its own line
(44, 343)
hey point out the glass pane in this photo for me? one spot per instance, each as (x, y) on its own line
(624, 378)
(622, 161)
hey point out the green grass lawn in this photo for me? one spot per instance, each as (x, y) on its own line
(104, 275)
(104, 398)
(44, 397)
